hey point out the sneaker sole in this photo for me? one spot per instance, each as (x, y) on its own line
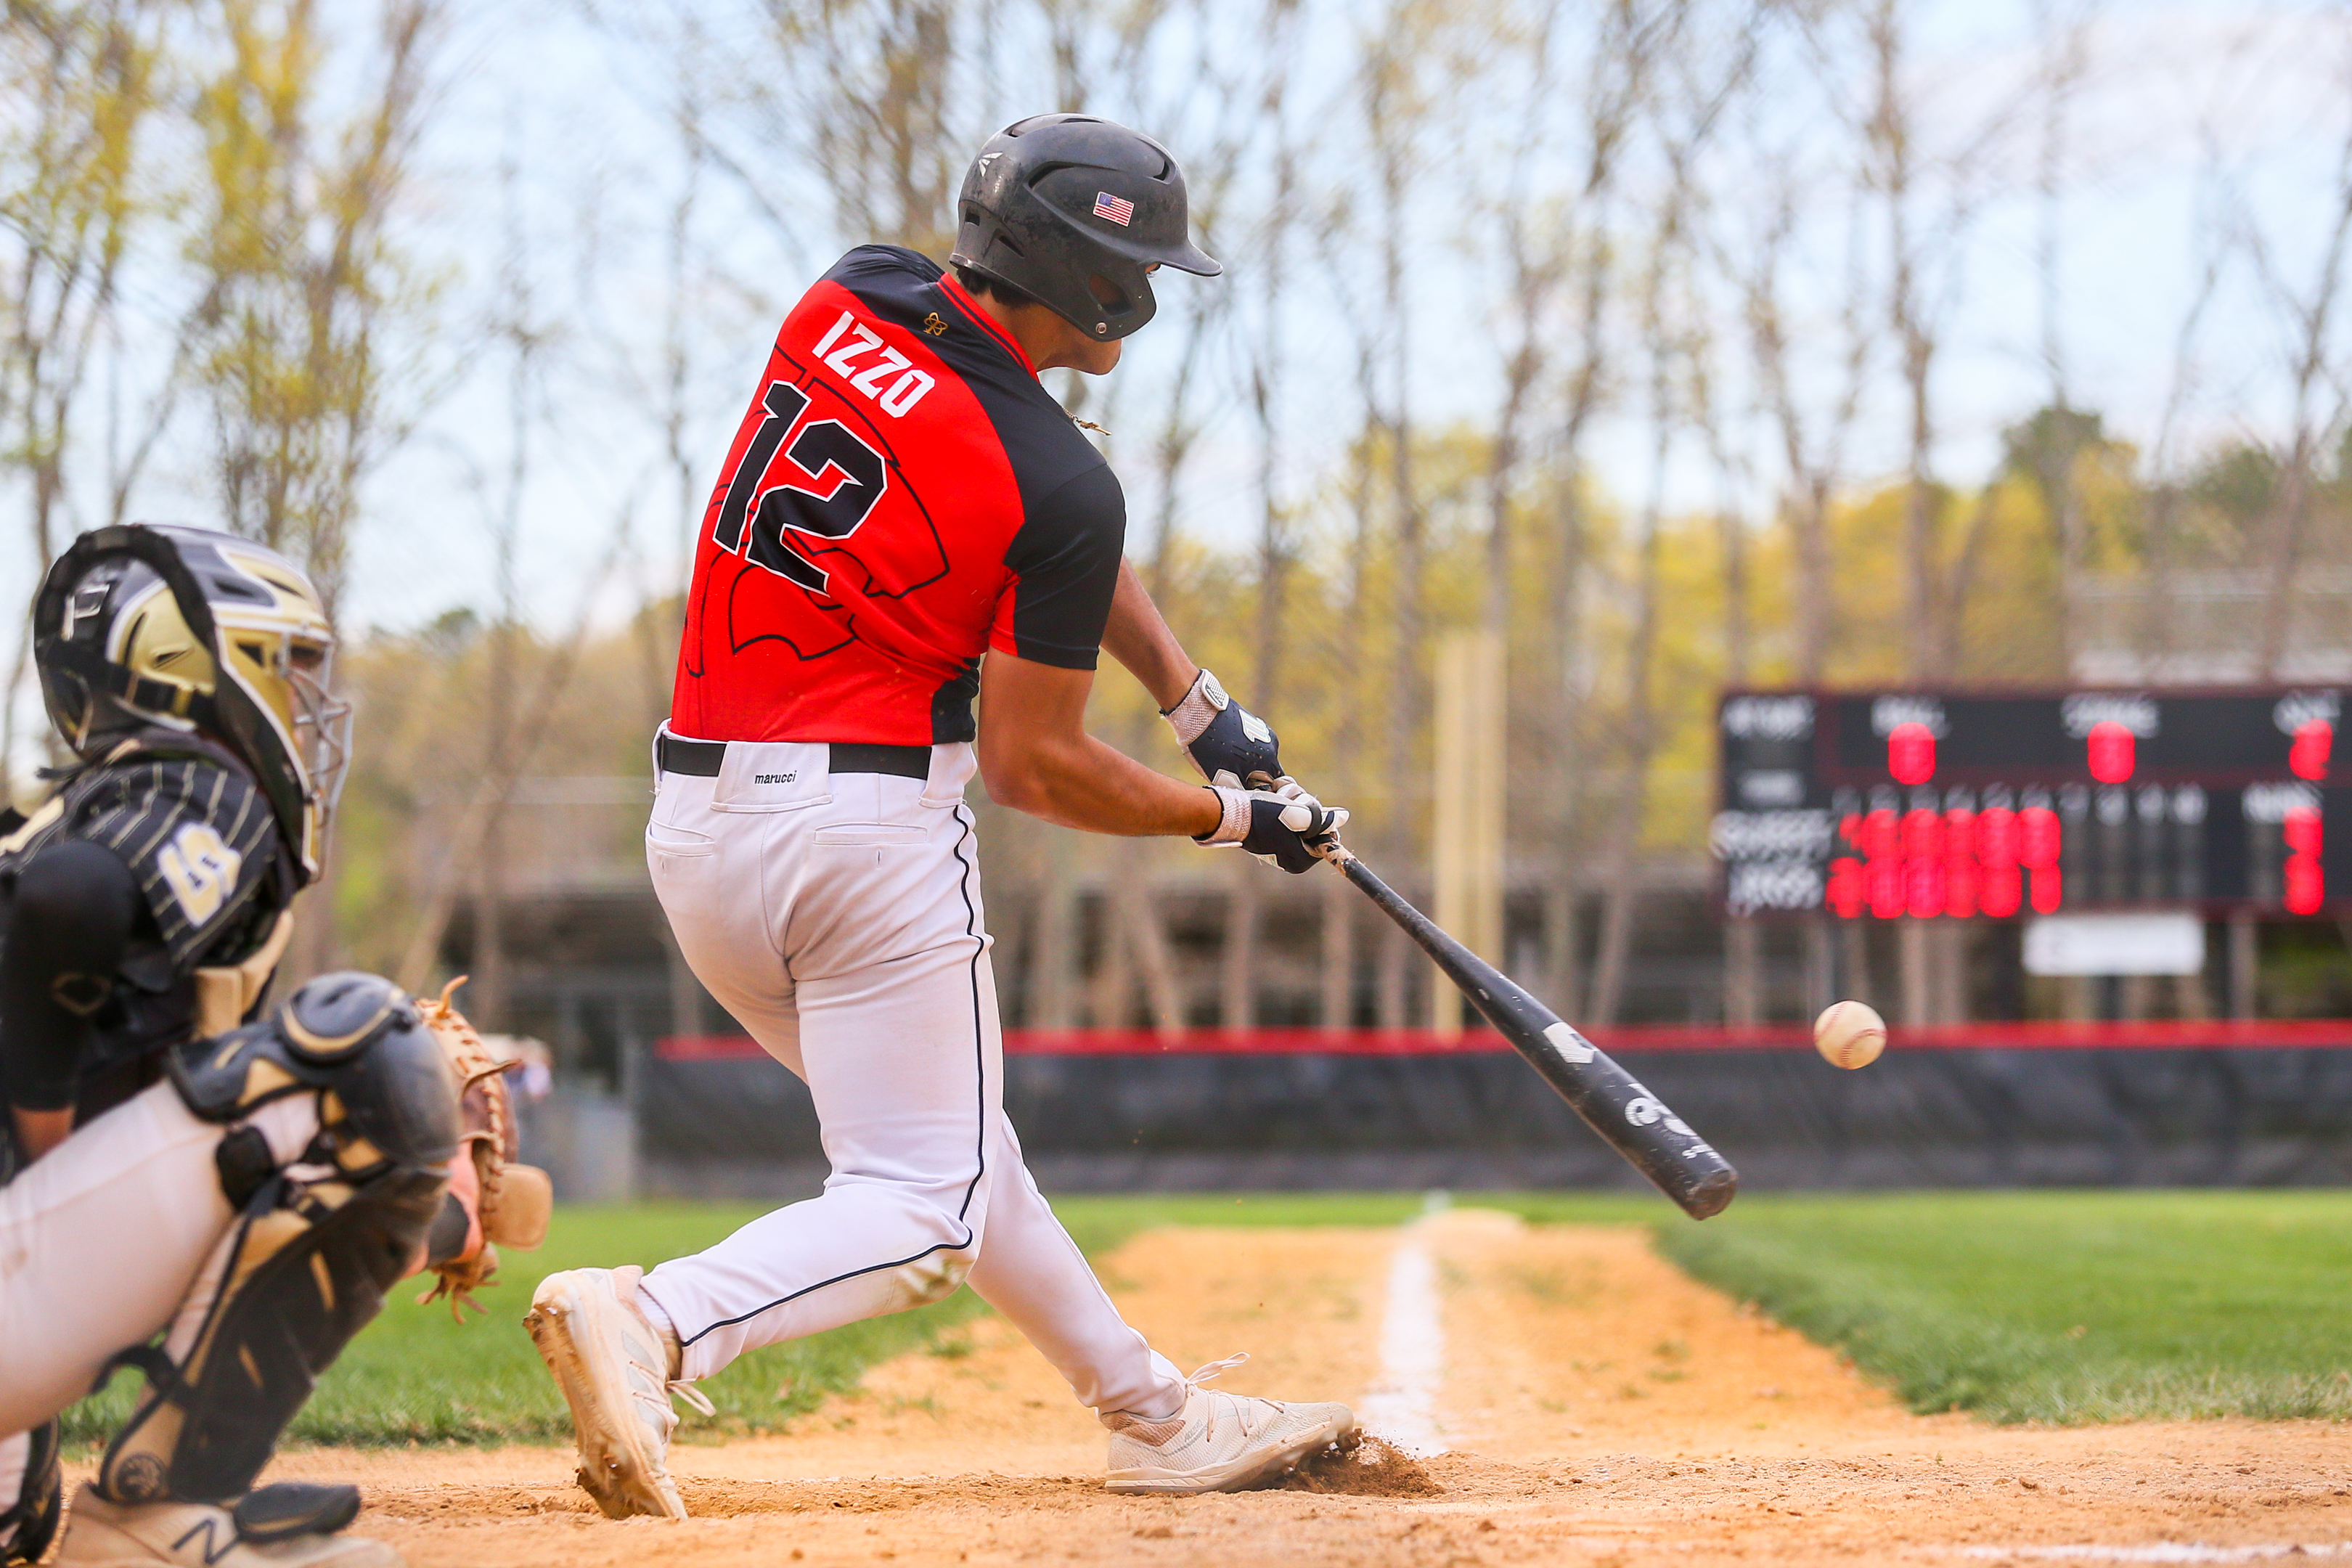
(1238, 1474)
(613, 1470)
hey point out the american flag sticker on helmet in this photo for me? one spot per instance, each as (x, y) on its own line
(1119, 211)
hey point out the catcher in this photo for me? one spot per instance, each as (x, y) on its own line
(245, 1190)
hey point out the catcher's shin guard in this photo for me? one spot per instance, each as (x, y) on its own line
(318, 1242)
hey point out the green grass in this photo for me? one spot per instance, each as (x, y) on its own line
(2061, 1307)
(2058, 1307)
(1100, 1224)
(414, 1376)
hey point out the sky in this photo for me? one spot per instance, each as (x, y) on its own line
(551, 160)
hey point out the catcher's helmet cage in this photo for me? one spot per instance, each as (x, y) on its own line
(1073, 210)
(191, 629)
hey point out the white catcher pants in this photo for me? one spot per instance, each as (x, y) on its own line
(837, 915)
(103, 1239)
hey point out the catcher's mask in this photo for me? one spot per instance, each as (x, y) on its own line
(191, 629)
(1074, 212)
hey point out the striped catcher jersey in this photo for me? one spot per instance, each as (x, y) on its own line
(198, 837)
(902, 495)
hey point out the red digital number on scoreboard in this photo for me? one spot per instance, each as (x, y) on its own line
(2307, 883)
(1959, 862)
(1902, 804)
(2114, 752)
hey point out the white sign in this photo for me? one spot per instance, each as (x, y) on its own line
(1903, 708)
(1765, 717)
(2085, 710)
(2296, 709)
(2115, 944)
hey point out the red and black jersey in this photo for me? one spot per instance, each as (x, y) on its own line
(902, 495)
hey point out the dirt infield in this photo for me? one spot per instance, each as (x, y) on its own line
(1597, 1408)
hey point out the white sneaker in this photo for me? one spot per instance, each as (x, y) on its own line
(614, 1369)
(102, 1534)
(1221, 1442)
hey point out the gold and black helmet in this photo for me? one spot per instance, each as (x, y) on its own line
(185, 628)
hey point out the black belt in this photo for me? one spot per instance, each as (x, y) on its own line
(700, 759)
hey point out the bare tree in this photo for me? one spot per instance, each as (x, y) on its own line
(1639, 725)
(1395, 103)
(1534, 268)
(2167, 545)
(1813, 454)
(1686, 118)
(1352, 647)
(477, 818)
(862, 86)
(1253, 105)
(88, 79)
(1630, 39)
(1929, 205)
(2319, 400)
(517, 325)
(303, 274)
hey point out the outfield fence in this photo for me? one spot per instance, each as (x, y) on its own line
(2037, 1104)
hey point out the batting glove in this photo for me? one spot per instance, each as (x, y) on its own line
(1283, 824)
(1231, 745)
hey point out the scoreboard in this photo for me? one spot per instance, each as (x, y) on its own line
(1882, 805)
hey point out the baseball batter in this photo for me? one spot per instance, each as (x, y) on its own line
(902, 498)
(245, 1190)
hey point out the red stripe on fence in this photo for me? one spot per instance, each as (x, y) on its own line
(2278, 1034)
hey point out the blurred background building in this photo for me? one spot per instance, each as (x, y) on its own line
(1575, 363)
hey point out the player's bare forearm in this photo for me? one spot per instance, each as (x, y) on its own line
(1036, 756)
(1091, 787)
(39, 1131)
(1139, 638)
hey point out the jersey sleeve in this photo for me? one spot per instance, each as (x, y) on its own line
(1063, 568)
(199, 838)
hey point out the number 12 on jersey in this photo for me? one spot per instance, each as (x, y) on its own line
(792, 505)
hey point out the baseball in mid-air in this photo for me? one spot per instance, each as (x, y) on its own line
(1850, 1035)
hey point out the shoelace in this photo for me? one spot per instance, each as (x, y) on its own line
(1209, 1374)
(1216, 1369)
(693, 1397)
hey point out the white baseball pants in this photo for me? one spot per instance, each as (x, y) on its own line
(838, 917)
(103, 1239)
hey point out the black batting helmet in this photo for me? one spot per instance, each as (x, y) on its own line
(1073, 210)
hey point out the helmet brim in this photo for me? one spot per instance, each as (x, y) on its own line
(1191, 258)
(1184, 257)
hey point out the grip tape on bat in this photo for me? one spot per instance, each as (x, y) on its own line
(1611, 1100)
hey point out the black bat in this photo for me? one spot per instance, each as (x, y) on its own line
(1629, 1118)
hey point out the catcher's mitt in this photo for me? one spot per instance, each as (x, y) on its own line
(492, 1201)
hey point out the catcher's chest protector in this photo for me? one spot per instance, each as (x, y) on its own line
(309, 1258)
(185, 817)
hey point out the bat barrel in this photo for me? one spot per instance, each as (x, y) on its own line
(1611, 1100)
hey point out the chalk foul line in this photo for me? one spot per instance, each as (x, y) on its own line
(1402, 1407)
